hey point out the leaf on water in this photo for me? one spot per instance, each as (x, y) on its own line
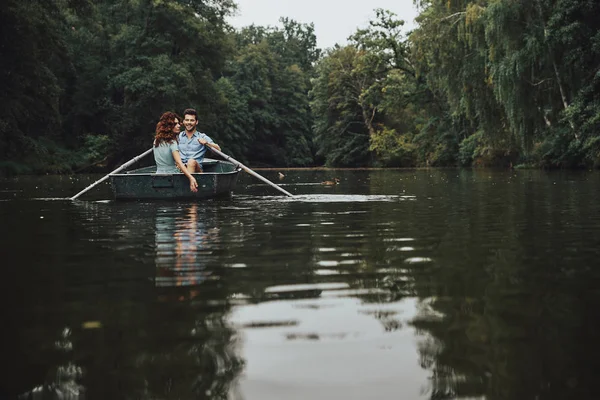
(91, 325)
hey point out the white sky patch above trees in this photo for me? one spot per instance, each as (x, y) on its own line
(334, 20)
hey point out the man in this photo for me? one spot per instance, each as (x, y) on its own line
(192, 144)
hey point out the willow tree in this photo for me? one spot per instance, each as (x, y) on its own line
(449, 50)
(514, 70)
(527, 79)
(572, 43)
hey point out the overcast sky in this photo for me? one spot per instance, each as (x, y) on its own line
(334, 20)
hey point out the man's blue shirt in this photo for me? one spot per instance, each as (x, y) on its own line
(191, 148)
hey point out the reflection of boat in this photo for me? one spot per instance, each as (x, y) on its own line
(219, 179)
(185, 240)
(180, 240)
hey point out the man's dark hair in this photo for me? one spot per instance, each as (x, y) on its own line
(190, 111)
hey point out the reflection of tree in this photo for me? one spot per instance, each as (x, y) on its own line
(511, 322)
(130, 338)
(198, 358)
(201, 362)
(507, 310)
(63, 381)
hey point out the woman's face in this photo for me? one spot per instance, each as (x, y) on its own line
(177, 127)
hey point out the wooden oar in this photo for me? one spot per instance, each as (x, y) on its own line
(248, 170)
(122, 167)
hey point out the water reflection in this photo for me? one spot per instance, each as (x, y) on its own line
(139, 333)
(62, 381)
(201, 358)
(396, 284)
(326, 305)
(492, 271)
(183, 240)
(508, 314)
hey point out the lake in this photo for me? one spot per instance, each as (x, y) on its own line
(393, 284)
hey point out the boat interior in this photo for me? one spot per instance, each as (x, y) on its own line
(209, 165)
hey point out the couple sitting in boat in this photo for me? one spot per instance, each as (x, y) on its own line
(180, 151)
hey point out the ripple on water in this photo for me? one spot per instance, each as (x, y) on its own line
(328, 263)
(338, 198)
(307, 287)
(399, 248)
(327, 272)
(417, 260)
(237, 265)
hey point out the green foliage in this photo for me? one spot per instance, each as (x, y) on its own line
(47, 156)
(490, 82)
(111, 66)
(341, 134)
(373, 87)
(234, 119)
(392, 149)
(480, 150)
(10, 168)
(436, 143)
(31, 66)
(471, 148)
(527, 85)
(562, 151)
(270, 76)
(95, 148)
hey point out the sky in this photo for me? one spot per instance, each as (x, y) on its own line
(334, 20)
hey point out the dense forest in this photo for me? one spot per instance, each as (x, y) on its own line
(477, 83)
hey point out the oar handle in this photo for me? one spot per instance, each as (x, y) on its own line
(248, 170)
(122, 167)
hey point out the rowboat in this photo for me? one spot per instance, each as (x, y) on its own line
(217, 180)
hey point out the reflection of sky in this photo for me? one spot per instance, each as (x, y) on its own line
(330, 348)
(180, 236)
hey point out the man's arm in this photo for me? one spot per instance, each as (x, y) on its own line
(213, 145)
(207, 143)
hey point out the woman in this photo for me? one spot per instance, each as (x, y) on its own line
(166, 149)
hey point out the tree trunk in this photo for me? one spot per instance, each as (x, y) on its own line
(368, 120)
(555, 67)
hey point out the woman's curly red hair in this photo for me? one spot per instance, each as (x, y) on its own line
(164, 128)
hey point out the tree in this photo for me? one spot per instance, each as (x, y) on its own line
(32, 66)
(270, 74)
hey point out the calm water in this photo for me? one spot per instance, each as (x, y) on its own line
(438, 284)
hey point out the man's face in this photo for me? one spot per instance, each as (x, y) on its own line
(190, 122)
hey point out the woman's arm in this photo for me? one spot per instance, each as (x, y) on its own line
(193, 183)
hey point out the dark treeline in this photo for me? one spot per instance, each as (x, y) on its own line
(481, 83)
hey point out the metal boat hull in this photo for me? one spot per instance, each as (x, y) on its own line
(218, 180)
